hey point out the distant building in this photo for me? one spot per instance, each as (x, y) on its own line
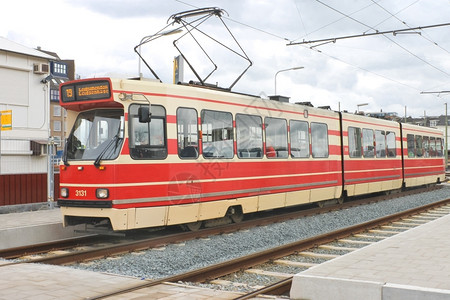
(384, 115)
(29, 81)
(60, 71)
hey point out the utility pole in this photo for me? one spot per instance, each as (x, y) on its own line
(446, 125)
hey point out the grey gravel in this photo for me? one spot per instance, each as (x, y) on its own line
(194, 254)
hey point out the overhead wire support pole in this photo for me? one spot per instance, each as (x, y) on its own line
(446, 125)
(394, 32)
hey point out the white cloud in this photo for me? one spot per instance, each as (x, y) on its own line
(100, 36)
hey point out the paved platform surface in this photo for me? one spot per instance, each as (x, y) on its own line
(411, 265)
(39, 282)
(32, 227)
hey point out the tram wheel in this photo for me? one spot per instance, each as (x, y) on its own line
(237, 215)
(194, 226)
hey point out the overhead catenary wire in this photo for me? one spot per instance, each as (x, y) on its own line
(403, 22)
(366, 70)
(392, 15)
(344, 37)
(368, 34)
(334, 22)
(375, 33)
(241, 23)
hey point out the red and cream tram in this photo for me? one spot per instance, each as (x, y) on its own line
(144, 154)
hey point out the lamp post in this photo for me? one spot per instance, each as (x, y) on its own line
(284, 70)
(359, 105)
(446, 137)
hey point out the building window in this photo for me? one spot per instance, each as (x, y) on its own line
(54, 95)
(56, 125)
(57, 111)
(60, 69)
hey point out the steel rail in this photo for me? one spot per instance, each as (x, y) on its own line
(118, 249)
(234, 265)
(278, 288)
(17, 252)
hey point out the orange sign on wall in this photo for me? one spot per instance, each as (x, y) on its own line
(6, 119)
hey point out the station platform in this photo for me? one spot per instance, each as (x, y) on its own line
(37, 281)
(413, 265)
(19, 229)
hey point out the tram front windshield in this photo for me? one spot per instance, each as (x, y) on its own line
(96, 133)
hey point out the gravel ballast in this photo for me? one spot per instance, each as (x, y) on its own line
(179, 258)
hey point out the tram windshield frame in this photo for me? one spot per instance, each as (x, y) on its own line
(96, 134)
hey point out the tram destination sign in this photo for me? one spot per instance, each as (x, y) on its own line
(86, 90)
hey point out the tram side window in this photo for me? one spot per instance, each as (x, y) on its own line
(439, 150)
(368, 143)
(249, 136)
(390, 144)
(433, 152)
(354, 142)
(187, 133)
(299, 133)
(380, 143)
(426, 146)
(276, 138)
(411, 145)
(217, 134)
(319, 140)
(419, 145)
(147, 140)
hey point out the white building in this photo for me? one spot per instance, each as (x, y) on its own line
(24, 90)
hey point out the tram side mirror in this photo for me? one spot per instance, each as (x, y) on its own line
(144, 114)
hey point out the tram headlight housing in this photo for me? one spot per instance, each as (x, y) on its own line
(102, 193)
(64, 192)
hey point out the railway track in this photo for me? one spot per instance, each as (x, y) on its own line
(338, 242)
(104, 246)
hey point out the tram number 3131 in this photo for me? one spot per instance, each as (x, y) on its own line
(80, 193)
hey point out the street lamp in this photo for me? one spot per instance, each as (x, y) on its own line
(359, 105)
(290, 69)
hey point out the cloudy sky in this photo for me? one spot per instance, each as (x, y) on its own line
(387, 71)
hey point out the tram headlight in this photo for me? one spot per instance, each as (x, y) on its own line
(64, 192)
(102, 193)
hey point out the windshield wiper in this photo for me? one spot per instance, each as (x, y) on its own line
(100, 156)
(64, 158)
